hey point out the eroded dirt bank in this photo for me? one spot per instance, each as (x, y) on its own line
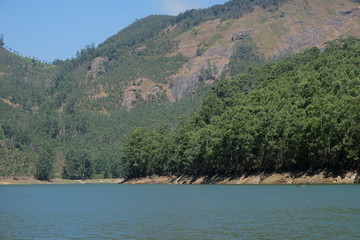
(32, 180)
(262, 178)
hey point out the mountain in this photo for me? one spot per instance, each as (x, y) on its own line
(301, 114)
(147, 75)
(170, 58)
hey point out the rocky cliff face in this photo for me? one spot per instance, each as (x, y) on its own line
(213, 60)
(294, 27)
(320, 23)
(98, 67)
(142, 89)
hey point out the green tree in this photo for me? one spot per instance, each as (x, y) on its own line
(2, 43)
(78, 164)
(44, 164)
(245, 55)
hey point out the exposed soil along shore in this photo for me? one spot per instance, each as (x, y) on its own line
(32, 180)
(262, 178)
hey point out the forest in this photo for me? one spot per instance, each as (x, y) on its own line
(298, 114)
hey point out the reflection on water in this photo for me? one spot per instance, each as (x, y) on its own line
(179, 212)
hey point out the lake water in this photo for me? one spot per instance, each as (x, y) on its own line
(111, 211)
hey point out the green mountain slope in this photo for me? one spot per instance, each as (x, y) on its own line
(150, 49)
(301, 114)
(23, 86)
(167, 57)
(148, 74)
(23, 81)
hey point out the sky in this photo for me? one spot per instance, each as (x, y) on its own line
(56, 29)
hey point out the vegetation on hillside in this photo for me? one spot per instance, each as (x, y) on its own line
(245, 55)
(58, 112)
(299, 114)
(230, 9)
(137, 33)
(24, 81)
(67, 119)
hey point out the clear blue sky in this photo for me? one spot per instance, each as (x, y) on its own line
(56, 29)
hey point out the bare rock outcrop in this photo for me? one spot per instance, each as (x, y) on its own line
(186, 80)
(141, 89)
(98, 67)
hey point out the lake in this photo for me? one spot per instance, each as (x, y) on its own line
(112, 211)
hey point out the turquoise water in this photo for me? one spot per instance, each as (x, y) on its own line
(112, 211)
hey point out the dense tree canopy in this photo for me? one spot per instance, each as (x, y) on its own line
(301, 113)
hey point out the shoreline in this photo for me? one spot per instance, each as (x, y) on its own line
(31, 180)
(261, 178)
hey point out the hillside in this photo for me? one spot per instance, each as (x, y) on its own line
(154, 73)
(301, 114)
(23, 86)
(295, 26)
(167, 62)
(23, 81)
